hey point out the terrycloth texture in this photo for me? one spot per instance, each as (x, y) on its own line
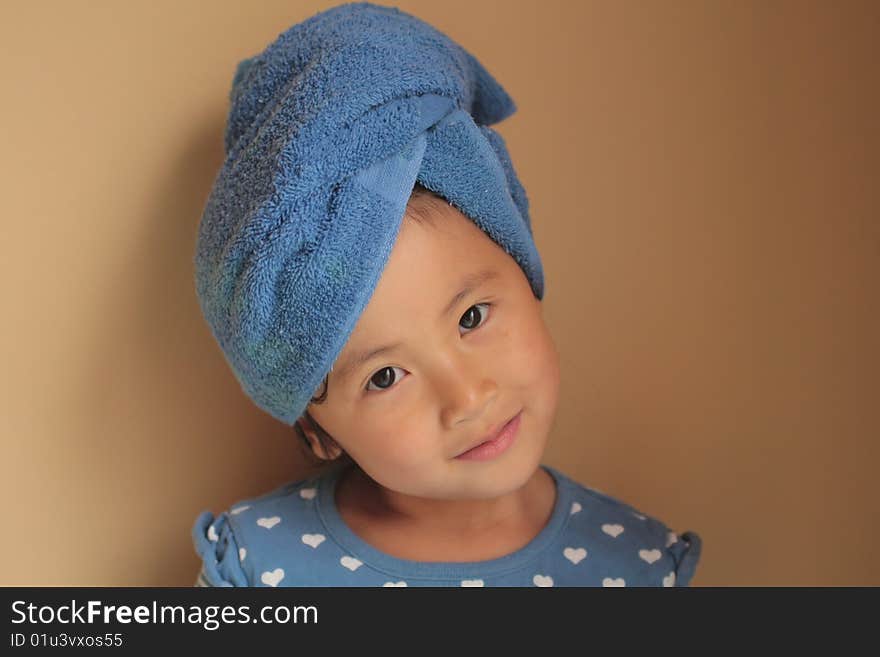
(328, 130)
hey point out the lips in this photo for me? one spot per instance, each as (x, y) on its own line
(492, 435)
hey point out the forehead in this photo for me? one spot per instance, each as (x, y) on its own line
(429, 260)
(427, 266)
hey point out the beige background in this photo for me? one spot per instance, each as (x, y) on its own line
(704, 187)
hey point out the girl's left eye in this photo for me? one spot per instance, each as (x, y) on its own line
(473, 320)
(468, 317)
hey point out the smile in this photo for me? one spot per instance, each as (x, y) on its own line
(495, 447)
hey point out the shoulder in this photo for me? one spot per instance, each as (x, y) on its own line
(235, 543)
(626, 546)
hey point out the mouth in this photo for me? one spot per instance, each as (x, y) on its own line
(495, 443)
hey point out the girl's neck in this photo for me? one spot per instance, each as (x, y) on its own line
(526, 510)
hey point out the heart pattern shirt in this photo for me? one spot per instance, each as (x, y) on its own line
(295, 536)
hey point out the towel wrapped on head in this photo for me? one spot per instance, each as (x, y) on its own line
(329, 129)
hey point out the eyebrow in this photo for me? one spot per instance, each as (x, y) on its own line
(468, 285)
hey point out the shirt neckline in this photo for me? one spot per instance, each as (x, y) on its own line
(366, 553)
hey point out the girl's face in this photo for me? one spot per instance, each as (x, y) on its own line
(452, 374)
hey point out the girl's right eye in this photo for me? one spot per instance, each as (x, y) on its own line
(383, 379)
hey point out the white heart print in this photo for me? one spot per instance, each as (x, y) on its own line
(613, 582)
(268, 523)
(575, 507)
(394, 584)
(542, 580)
(242, 553)
(472, 582)
(313, 540)
(613, 530)
(238, 510)
(272, 578)
(650, 555)
(212, 533)
(351, 563)
(575, 555)
(669, 580)
(307, 493)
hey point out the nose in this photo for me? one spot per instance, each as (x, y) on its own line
(466, 390)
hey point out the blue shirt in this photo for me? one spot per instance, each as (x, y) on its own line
(295, 536)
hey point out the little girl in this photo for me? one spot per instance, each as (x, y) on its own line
(366, 263)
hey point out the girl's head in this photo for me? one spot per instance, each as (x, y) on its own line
(313, 248)
(451, 345)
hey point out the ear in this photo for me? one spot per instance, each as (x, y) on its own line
(315, 444)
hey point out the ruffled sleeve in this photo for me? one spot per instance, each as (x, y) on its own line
(215, 543)
(685, 554)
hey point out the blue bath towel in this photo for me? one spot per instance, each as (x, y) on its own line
(329, 129)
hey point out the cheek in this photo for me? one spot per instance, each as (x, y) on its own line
(531, 338)
(389, 435)
(537, 360)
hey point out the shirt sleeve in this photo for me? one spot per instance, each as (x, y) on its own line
(685, 554)
(215, 542)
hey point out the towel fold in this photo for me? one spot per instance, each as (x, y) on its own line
(329, 128)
